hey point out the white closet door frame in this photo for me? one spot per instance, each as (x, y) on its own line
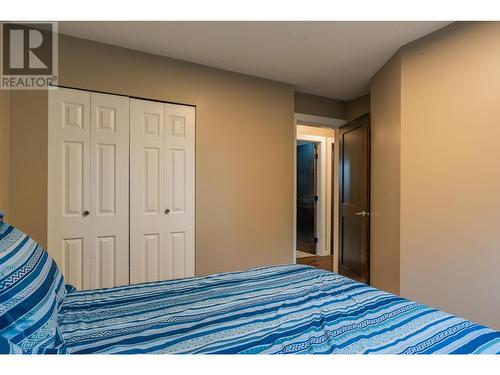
(121, 191)
(109, 208)
(69, 184)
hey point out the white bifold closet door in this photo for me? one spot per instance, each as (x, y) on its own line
(88, 187)
(162, 191)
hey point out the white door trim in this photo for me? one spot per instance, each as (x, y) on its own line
(312, 120)
(318, 121)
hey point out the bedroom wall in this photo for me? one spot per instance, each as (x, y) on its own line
(28, 163)
(450, 171)
(327, 107)
(385, 176)
(357, 107)
(4, 152)
(243, 196)
(319, 106)
(449, 231)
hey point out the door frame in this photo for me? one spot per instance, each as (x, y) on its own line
(334, 123)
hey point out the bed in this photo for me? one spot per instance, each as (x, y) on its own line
(288, 309)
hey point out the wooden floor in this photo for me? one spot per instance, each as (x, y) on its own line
(324, 262)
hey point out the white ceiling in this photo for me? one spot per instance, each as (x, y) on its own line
(332, 59)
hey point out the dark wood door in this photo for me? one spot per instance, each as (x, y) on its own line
(354, 179)
(306, 193)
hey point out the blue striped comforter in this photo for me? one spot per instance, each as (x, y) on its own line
(282, 309)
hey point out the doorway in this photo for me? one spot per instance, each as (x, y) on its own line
(314, 182)
(331, 213)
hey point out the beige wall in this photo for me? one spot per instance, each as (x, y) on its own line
(449, 173)
(244, 149)
(4, 152)
(327, 107)
(357, 107)
(385, 176)
(319, 106)
(28, 163)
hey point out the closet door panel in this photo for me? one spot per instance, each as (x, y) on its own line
(180, 188)
(148, 242)
(105, 263)
(68, 199)
(73, 265)
(109, 214)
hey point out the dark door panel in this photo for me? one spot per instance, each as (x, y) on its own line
(353, 165)
(352, 259)
(306, 191)
(354, 175)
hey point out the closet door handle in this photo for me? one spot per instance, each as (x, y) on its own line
(167, 211)
(85, 213)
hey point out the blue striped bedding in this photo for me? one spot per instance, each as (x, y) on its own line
(281, 309)
(31, 292)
